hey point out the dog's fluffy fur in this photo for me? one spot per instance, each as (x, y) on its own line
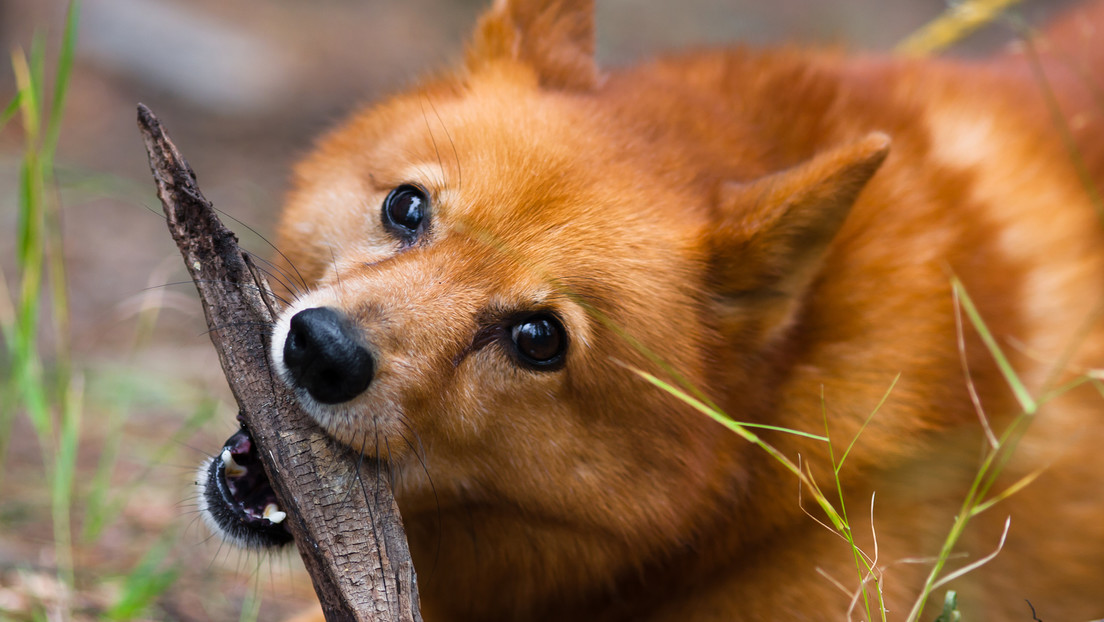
(778, 229)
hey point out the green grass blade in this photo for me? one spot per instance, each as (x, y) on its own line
(63, 475)
(843, 458)
(62, 75)
(146, 582)
(1022, 395)
(28, 244)
(10, 109)
(950, 609)
(38, 69)
(51, 402)
(993, 462)
(1008, 492)
(740, 429)
(28, 101)
(51, 210)
(51, 207)
(29, 195)
(27, 370)
(720, 417)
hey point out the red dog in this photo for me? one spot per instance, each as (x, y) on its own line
(490, 255)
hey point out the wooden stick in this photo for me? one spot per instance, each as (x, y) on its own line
(339, 505)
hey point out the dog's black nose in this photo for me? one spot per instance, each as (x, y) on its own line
(324, 355)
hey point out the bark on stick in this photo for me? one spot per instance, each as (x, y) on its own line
(339, 507)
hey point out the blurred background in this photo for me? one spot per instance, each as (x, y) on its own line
(97, 503)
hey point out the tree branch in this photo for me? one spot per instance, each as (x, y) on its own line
(339, 505)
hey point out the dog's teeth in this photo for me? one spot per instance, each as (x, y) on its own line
(273, 514)
(233, 469)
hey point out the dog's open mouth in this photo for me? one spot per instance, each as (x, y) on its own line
(236, 498)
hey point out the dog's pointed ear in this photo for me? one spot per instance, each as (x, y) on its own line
(553, 37)
(770, 235)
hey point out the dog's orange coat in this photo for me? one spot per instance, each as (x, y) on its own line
(779, 228)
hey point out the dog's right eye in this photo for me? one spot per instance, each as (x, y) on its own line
(405, 211)
(539, 341)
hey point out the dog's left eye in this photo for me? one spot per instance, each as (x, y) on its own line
(405, 210)
(539, 340)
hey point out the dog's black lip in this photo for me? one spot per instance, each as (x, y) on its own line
(242, 523)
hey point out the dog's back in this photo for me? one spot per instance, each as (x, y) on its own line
(993, 179)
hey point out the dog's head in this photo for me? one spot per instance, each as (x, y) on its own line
(480, 264)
